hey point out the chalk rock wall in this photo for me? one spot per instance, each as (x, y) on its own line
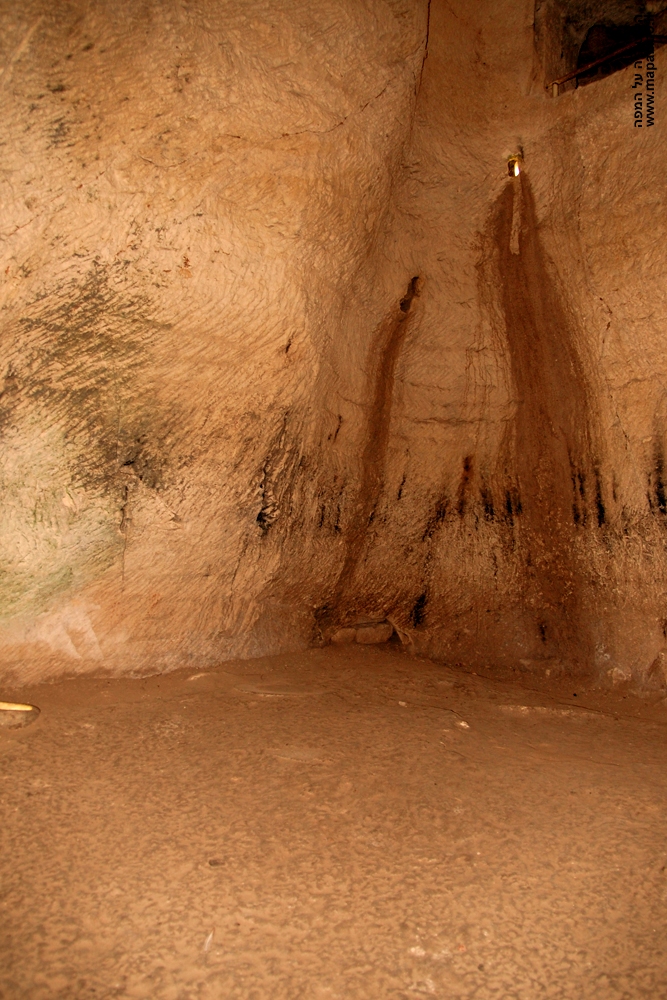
(530, 430)
(285, 350)
(192, 199)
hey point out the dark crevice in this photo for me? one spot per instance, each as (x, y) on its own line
(418, 612)
(406, 301)
(400, 488)
(426, 40)
(338, 427)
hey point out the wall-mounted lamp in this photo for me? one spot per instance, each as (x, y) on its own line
(514, 166)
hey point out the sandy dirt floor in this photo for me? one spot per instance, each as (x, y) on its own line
(347, 823)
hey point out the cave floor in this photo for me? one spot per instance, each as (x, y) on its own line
(349, 822)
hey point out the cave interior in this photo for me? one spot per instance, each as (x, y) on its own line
(333, 559)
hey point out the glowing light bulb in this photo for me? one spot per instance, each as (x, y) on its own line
(514, 165)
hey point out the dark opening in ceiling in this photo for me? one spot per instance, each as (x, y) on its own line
(580, 41)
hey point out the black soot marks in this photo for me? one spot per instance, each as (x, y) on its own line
(418, 612)
(278, 473)
(144, 460)
(83, 348)
(599, 505)
(578, 480)
(581, 480)
(509, 510)
(329, 509)
(58, 133)
(265, 518)
(542, 629)
(512, 505)
(580, 497)
(487, 502)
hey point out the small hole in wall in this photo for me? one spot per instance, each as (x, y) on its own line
(413, 289)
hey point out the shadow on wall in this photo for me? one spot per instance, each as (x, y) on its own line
(551, 443)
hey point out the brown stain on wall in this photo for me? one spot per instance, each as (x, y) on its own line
(389, 342)
(552, 430)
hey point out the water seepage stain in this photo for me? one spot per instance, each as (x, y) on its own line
(552, 430)
(386, 350)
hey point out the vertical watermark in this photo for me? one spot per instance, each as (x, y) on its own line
(643, 92)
